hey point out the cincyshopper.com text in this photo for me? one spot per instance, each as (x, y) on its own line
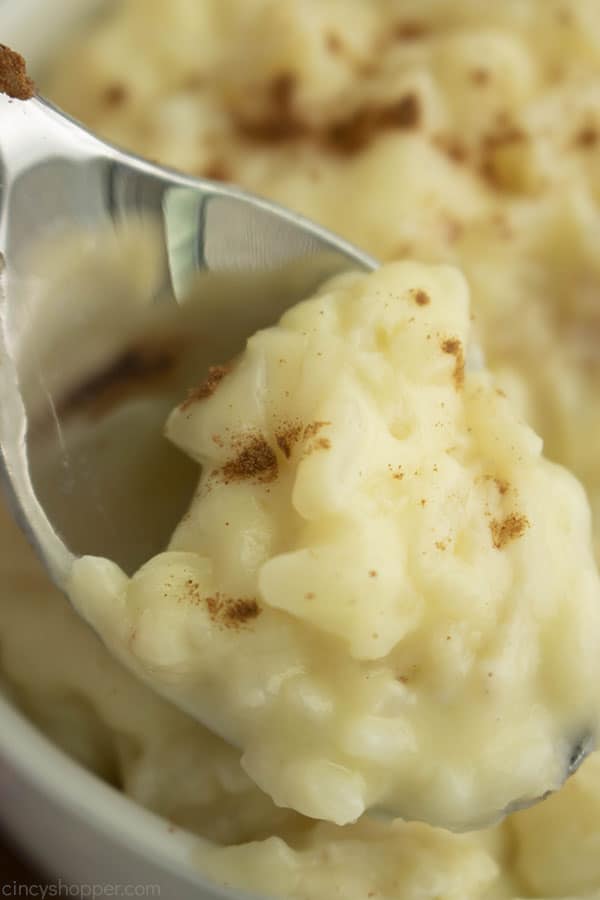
(77, 891)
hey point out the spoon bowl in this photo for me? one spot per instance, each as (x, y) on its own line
(121, 283)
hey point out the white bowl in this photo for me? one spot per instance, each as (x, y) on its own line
(68, 822)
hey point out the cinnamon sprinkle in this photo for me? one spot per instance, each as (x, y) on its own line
(490, 144)
(115, 95)
(287, 436)
(334, 42)
(240, 611)
(281, 121)
(290, 433)
(313, 429)
(215, 376)
(254, 461)
(316, 443)
(350, 135)
(454, 347)
(409, 31)
(282, 90)
(502, 485)
(232, 612)
(480, 76)
(14, 79)
(217, 170)
(508, 529)
(452, 147)
(420, 296)
(587, 138)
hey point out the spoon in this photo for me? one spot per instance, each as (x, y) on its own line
(121, 282)
(76, 325)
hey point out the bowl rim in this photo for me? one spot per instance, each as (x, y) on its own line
(109, 811)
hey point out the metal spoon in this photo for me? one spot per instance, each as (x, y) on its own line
(84, 326)
(121, 282)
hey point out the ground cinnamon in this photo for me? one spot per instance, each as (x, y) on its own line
(508, 529)
(14, 79)
(215, 376)
(254, 460)
(455, 348)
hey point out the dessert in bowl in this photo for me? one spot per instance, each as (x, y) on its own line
(438, 132)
